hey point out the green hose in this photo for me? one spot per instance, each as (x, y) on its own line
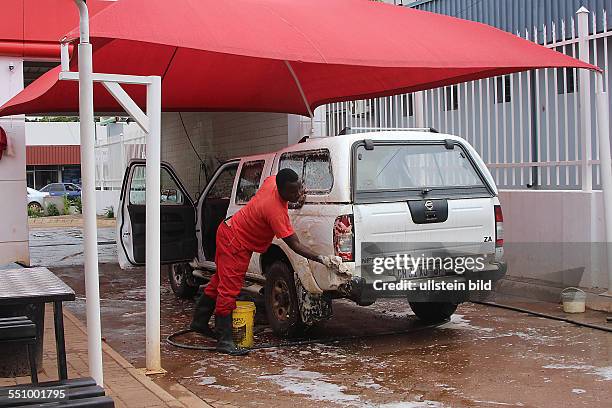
(171, 339)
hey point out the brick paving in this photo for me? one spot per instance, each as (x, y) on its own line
(127, 385)
(63, 221)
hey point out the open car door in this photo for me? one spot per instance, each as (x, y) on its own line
(178, 218)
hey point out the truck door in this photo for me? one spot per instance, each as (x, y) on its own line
(178, 218)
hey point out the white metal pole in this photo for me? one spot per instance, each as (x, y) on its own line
(153, 248)
(88, 193)
(603, 133)
(584, 93)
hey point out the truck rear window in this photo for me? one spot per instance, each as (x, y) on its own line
(415, 168)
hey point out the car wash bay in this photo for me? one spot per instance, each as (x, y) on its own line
(274, 102)
(545, 363)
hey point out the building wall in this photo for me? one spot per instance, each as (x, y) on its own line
(555, 236)
(53, 133)
(217, 137)
(515, 15)
(14, 225)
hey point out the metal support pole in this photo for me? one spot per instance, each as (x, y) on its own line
(603, 133)
(419, 110)
(153, 245)
(584, 93)
(88, 193)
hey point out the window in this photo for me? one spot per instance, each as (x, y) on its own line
(41, 176)
(451, 100)
(313, 168)
(248, 183)
(222, 187)
(293, 161)
(504, 89)
(55, 187)
(317, 173)
(170, 193)
(72, 187)
(399, 167)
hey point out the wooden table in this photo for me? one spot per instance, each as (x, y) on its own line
(23, 286)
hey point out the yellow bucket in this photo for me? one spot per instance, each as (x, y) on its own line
(243, 318)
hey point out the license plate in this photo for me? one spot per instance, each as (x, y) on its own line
(415, 273)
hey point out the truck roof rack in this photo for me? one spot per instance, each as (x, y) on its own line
(353, 130)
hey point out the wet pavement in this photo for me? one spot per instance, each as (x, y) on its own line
(484, 357)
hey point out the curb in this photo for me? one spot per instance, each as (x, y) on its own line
(187, 398)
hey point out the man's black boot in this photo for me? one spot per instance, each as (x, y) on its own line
(225, 342)
(204, 309)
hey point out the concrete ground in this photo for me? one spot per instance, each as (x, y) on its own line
(484, 357)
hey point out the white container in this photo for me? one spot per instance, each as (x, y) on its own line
(574, 300)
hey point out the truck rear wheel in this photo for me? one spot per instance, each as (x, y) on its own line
(282, 307)
(433, 312)
(180, 282)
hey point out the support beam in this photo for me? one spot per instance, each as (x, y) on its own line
(300, 89)
(128, 104)
(88, 194)
(584, 94)
(153, 240)
(65, 58)
(124, 79)
(605, 158)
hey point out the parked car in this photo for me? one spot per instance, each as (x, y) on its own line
(36, 199)
(392, 186)
(63, 189)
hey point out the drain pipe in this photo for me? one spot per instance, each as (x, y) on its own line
(88, 193)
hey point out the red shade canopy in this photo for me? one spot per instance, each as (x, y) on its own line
(273, 55)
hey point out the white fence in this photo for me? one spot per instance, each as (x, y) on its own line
(113, 153)
(114, 149)
(533, 129)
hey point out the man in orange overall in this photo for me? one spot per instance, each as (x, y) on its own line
(251, 229)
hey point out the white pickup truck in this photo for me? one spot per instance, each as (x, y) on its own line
(407, 186)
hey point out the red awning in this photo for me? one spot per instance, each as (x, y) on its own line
(250, 55)
(53, 155)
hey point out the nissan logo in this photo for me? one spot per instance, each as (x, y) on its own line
(429, 205)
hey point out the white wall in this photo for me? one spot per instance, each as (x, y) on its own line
(555, 236)
(61, 133)
(14, 225)
(52, 133)
(218, 137)
(105, 199)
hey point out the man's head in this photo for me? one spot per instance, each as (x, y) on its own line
(289, 185)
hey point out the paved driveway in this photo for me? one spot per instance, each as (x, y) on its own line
(485, 357)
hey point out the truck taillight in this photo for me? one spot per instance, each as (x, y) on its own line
(499, 226)
(343, 237)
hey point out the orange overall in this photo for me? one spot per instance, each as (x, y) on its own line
(251, 229)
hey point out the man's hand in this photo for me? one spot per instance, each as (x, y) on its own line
(325, 260)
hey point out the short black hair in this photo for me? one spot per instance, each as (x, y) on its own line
(285, 176)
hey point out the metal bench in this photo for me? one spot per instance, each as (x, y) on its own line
(21, 330)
